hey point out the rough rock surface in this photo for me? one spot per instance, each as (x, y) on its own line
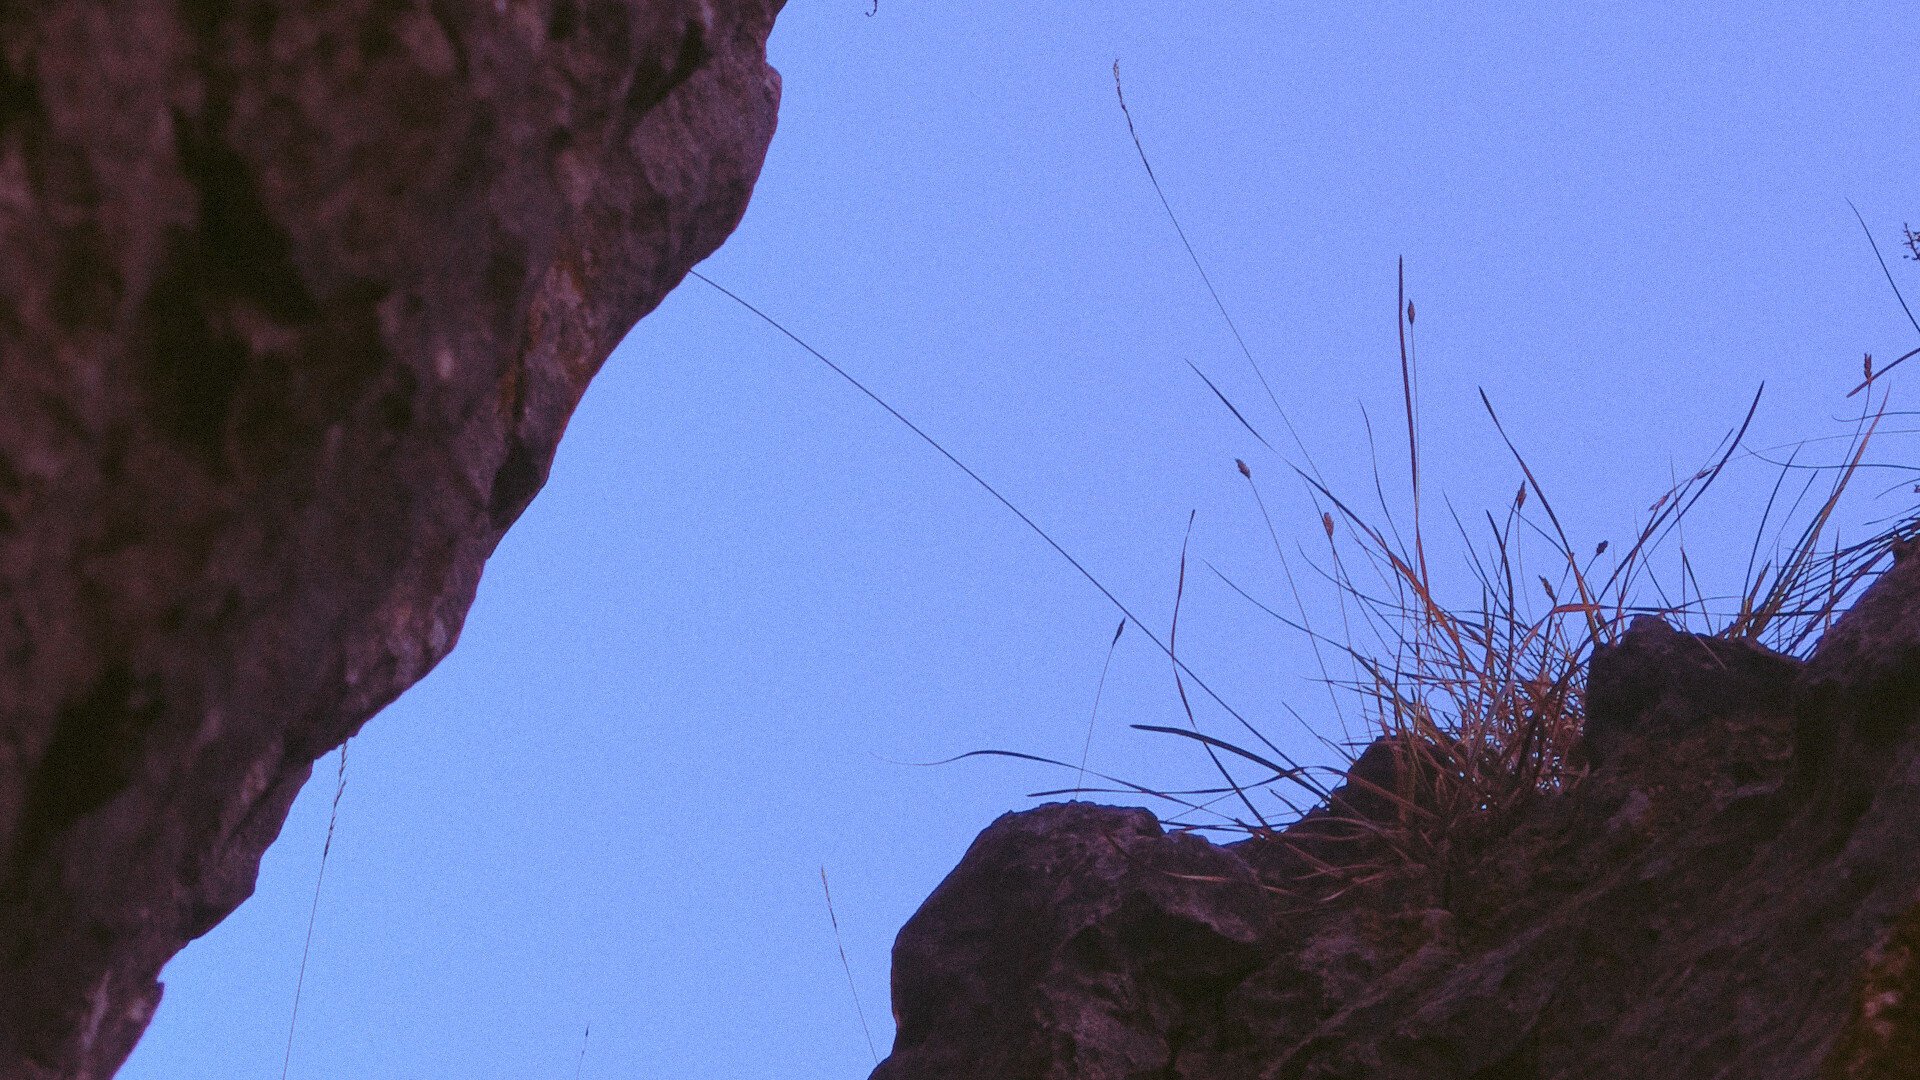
(1732, 891)
(295, 300)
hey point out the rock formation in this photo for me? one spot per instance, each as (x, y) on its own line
(1731, 891)
(295, 300)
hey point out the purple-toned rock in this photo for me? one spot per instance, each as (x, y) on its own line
(1871, 657)
(295, 301)
(1719, 897)
(1073, 941)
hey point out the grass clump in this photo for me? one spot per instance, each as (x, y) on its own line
(1480, 703)
(1471, 708)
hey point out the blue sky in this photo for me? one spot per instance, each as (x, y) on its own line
(747, 596)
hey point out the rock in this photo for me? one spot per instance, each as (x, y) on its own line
(295, 301)
(1657, 685)
(1858, 698)
(1870, 660)
(1882, 1036)
(1074, 941)
(1683, 911)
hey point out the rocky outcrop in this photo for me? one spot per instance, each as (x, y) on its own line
(295, 300)
(1731, 891)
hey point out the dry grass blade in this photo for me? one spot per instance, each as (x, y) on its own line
(1120, 93)
(1873, 375)
(313, 914)
(1175, 797)
(845, 966)
(1100, 689)
(1173, 634)
(1404, 323)
(1790, 582)
(1221, 744)
(1882, 259)
(1230, 406)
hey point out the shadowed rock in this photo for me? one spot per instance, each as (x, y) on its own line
(295, 301)
(1730, 892)
(1072, 938)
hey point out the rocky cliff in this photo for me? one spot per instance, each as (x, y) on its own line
(295, 300)
(1730, 891)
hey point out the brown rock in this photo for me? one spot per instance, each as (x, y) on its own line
(295, 301)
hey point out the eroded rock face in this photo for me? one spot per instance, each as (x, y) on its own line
(1730, 892)
(295, 301)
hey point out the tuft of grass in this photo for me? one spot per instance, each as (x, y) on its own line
(1473, 705)
(1477, 704)
(1480, 699)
